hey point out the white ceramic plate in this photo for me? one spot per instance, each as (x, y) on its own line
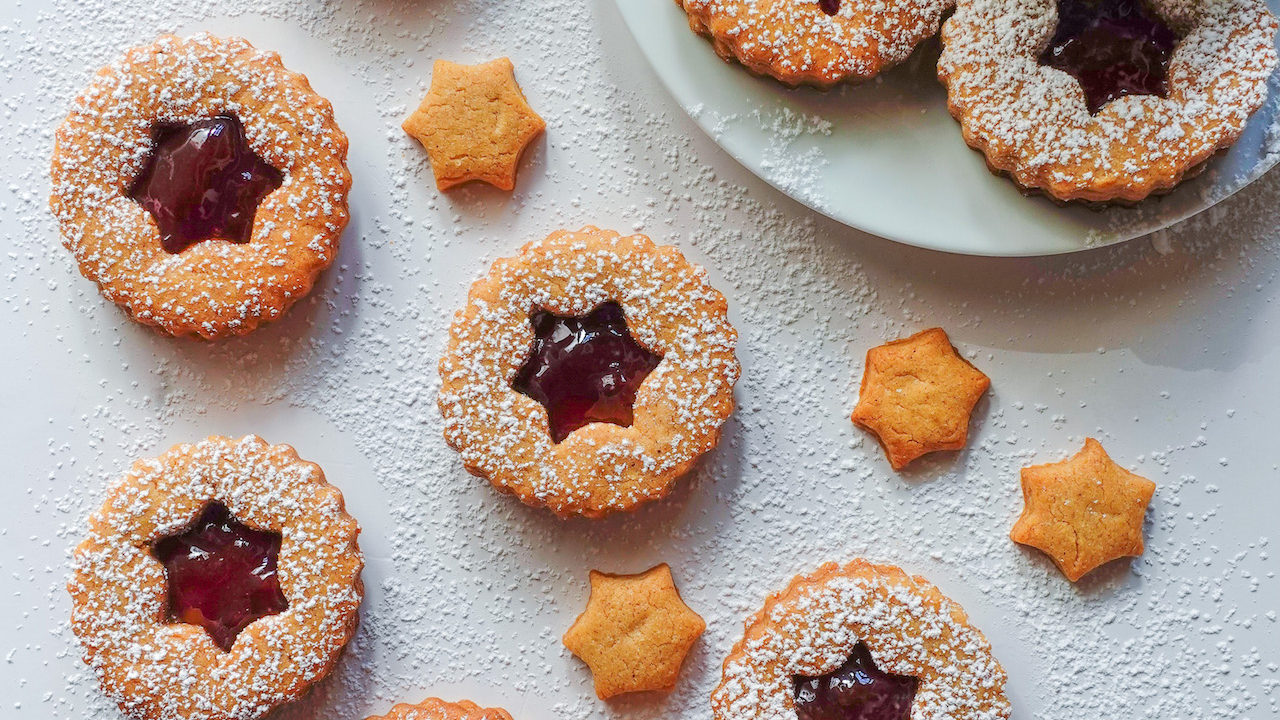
(887, 158)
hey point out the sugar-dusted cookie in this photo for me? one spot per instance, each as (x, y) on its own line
(201, 185)
(635, 632)
(815, 42)
(437, 709)
(1084, 511)
(917, 394)
(588, 372)
(474, 123)
(861, 642)
(217, 582)
(1105, 100)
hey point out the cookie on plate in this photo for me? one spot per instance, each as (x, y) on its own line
(861, 641)
(201, 185)
(218, 581)
(815, 42)
(1083, 512)
(474, 123)
(917, 395)
(1105, 100)
(635, 632)
(588, 372)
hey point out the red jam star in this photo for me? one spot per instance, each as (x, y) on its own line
(203, 181)
(221, 575)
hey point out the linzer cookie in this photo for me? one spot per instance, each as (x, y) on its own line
(588, 372)
(917, 395)
(474, 123)
(1105, 100)
(217, 582)
(861, 642)
(1083, 512)
(635, 632)
(815, 42)
(437, 709)
(201, 185)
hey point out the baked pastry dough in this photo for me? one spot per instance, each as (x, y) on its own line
(675, 413)
(1033, 121)
(216, 287)
(159, 668)
(822, 622)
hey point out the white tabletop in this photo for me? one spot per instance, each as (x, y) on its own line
(1163, 348)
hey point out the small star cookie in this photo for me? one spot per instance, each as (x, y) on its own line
(917, 394)
(437, 709)
(635, 632)
(474, 123)
(1084, 511)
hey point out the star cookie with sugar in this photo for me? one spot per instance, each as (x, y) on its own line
(917, 394)
(1083, 512)
(474, 123)
(635, 632)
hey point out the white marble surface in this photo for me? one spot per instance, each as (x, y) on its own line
(1165, 349)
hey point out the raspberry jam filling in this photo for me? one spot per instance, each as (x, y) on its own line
(830, 7)
(855, 691)
(221, 574)
(203, 181)
(584, 369)
(1112, 47)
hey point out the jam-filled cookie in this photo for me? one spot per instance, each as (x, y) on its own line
(201, 185)
(437, 709)
(1105, 100)
(861, 642)
(217, 582)
(588, 372)
(815, 42)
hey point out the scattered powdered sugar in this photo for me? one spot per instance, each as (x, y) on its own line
(468, 591)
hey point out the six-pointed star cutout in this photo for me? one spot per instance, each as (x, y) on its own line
(1113, 48)
(474, 123)
(917, 394)
(1084, 511)
(201, 181)
(635, 632)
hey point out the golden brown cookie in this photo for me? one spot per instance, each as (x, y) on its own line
(815, 42)
(1083, 512)
(588, 372)
(437, 709)
(635, 632)
(474, 123)
(218, 581)
(1137, 127)
(917, 394)
(200, 252)
(861, 634)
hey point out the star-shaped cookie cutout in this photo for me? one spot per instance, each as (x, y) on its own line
(917, 394)
(474, 123)
(1084, 511)
(635, 632)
